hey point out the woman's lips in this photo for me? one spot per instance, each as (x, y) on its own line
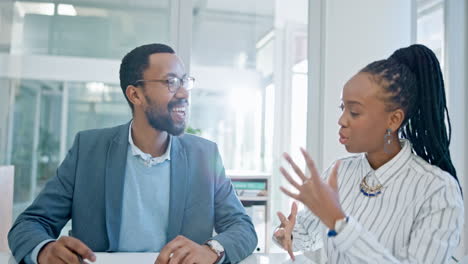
(343, 140)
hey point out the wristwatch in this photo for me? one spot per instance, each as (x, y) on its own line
(217, 248)
(339, 226)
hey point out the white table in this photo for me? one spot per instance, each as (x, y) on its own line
(124, 258)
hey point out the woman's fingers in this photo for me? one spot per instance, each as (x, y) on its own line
(282, 218)
(289, 178)
(292, 215)
(314, 175)
(290, 194)
(289, 248)
(279, 233)
(296, 168)
(282, 237)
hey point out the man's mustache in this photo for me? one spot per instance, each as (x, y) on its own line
(177, 103)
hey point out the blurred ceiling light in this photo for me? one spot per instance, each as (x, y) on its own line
(66, 10)
(91, 11)
(35, 8)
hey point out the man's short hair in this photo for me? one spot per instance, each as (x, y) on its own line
(136, 62)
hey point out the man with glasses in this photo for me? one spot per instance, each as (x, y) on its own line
(140, 187)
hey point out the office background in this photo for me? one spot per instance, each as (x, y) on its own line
(268, 74)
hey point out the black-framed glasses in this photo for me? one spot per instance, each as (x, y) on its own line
(173, 83)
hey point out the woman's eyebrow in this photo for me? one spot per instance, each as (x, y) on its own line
(353, 103)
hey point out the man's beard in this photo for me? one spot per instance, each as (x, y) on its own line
(164, 122)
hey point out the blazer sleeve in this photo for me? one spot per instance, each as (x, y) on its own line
(234, 227)
(49, 212)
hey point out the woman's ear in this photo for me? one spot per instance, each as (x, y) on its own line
(396, 119)
(134, 95)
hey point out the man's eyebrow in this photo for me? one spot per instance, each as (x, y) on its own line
(171, 74)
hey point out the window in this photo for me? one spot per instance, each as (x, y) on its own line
(430, 26)
(60, 71)
(232, 59)
(88, 29)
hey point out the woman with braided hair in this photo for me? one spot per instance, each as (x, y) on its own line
(399, 199)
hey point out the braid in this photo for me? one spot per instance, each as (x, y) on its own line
(413, 81)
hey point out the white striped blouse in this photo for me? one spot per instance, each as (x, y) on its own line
(416, 219)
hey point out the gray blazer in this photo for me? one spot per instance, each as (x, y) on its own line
(88, 188)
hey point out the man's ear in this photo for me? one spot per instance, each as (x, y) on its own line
(134, 95)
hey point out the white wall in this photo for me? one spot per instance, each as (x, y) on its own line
(455, 80)
(356, 33)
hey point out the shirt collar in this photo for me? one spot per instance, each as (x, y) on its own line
(146, 157)
(390, 169)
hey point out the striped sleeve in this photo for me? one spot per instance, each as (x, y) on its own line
(434, 237)
(306, 233)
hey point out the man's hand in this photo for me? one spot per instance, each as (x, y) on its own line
(284, 232)
(182, 250)
(65, 250)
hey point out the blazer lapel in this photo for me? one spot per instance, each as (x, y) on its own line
(178, 188)
(116, 161)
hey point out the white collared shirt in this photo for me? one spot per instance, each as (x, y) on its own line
(416, 219)
(146, 158)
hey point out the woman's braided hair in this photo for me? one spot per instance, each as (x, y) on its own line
(413, 81)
